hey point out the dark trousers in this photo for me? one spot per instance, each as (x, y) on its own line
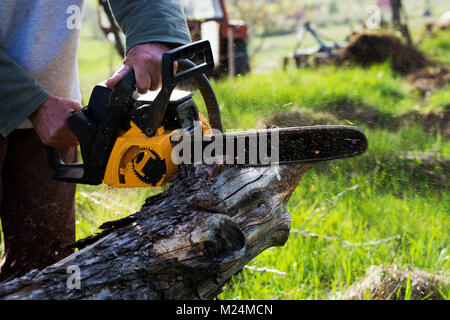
(37, 213)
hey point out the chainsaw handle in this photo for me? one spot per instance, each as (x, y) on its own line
(69, 172)
(170, 79)
(149, 118)
(101, 138)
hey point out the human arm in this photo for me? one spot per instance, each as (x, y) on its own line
(20, 94)
(21, 98)
(151, 28)
(50, 122)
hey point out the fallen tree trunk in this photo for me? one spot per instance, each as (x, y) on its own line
(184, 243)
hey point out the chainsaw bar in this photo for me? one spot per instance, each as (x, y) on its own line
(273, 146)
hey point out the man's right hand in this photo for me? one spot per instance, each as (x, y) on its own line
(50, 122)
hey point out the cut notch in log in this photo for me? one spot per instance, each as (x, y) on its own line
(184, 243)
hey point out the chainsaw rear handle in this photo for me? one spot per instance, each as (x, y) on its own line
(96, 142)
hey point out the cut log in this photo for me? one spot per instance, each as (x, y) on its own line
(185, 243)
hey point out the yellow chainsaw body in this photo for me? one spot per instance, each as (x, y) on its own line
(137, 160)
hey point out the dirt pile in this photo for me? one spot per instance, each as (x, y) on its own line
(434, 122)
(431, 79)
(370, 48)
(394, 283)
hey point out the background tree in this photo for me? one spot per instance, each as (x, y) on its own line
(396, 6)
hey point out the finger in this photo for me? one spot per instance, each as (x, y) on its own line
(68, 137)
(143, 80)
(71, 138)
(155, 76)
(63, 139)
(114, 80)
(75, 106)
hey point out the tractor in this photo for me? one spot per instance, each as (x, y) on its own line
(323, 53)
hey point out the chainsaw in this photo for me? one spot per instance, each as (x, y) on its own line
(137, 140)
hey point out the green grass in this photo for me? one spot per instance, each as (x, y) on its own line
(97, 204)
(384, 196)
(438, 46)
(377, 209)
(325, 89)
(392, 199)
(315, 267)
(340, 210)
(348, 204)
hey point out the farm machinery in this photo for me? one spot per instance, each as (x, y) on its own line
(323, 53)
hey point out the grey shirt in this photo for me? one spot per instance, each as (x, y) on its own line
(39, 42)
(42, 37)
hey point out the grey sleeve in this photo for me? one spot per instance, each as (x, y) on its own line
(20, 94)
(151, 21)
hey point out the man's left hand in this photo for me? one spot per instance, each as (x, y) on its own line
(145, 59)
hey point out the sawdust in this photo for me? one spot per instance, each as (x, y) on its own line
(371, 48)
(349, 112)
(344, 112)
(391, 283)
(298, 116)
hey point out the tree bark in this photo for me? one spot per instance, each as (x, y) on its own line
(184, 243)
(397, 12)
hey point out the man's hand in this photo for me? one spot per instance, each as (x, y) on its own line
(50, 122)
(145, 59)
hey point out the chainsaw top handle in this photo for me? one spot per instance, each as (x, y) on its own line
(149, 117)
(170, 79)
(97, 141)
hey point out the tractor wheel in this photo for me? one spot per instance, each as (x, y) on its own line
(241, 60)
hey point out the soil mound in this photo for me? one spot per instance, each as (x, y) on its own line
(369, 48)
(394, 283)
(431, 79)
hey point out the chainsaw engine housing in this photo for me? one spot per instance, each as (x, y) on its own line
(137, 160)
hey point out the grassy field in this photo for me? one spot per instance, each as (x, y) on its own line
(388, 207)
(359, 201)
(341, 209)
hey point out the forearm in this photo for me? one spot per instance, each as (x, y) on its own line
(145, 21)
(20, 94)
